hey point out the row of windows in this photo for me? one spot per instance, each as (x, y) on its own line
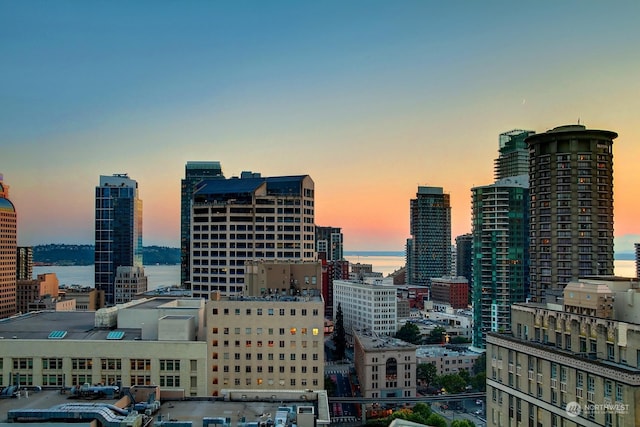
(56, 363)
(259, 369)
(270, 382)
(260, 331)
(270, 356)
(269, 311)
(249, 227)
(270, 343)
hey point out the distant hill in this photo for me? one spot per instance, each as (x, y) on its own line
(58, 254)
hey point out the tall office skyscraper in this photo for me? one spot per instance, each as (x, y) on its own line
(500, 253)
(8, 243)
(463, 256)
(329, 243)
(248, 218)
(571, 179)
(429, 251)
(24, 263)
(118, 230)
(194, 172)
(513, 159)
(500, 238)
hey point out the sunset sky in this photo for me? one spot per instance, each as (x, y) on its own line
(370, 98)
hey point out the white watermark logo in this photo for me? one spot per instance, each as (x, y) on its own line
(574, 409)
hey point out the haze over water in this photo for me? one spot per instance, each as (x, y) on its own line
(167, 275)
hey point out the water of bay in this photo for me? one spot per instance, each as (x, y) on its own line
(168, 275)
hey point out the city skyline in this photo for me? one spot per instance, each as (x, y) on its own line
(370, 99)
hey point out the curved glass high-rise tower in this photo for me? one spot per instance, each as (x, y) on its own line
(571, 220)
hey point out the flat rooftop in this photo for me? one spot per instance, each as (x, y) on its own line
(183, 410)
(439, 351)
(274, 297)
(373, 343)
(59, 325)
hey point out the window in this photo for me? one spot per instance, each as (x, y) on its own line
(82, 363)
(608, 389)
(169, 365)
(111, 364)
(610, 352)
(52, 363)
(140, 365)
(169, 381)
(23, 363)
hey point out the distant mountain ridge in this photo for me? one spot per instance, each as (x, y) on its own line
(64, 254)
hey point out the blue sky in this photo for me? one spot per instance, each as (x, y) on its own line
(370, 98)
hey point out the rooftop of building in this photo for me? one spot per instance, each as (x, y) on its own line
(449, 280)
(440, 351)
(356, 283)
(58, 325)
(238, 412)
(271, 298)
(567, 130)
(374, 342)
(6, 205)
(592, 286)
(551, 347)
(244, 185)
(171, 291)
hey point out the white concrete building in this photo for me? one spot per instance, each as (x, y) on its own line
(265, 343)
(385, 366)
(129, 282)
(365, 307)
(146, 342)
(248, 218)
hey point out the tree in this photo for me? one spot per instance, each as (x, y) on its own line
(339, 335)
(459, 340)
(426, 372)
(452, 383)
(436, 420)
(464, 374)
(436, 336)
(479, 382)
(462, 423)
(410, 332)
(422, 409)
(480, 364)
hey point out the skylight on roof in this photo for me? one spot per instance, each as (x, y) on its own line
(115, 335)
(57, 335)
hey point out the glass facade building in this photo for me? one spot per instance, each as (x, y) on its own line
(194, 172)
(500, 238)
(571, 234)
(429, 252)
(118, 230)
(500, 223)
